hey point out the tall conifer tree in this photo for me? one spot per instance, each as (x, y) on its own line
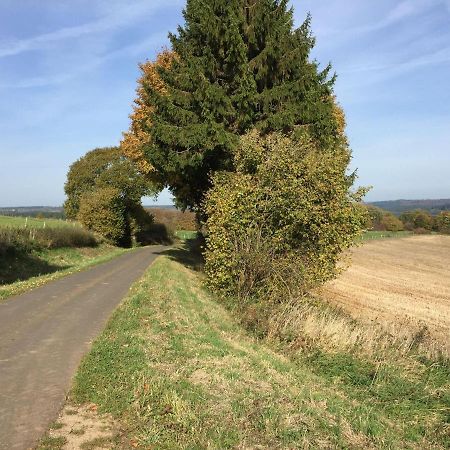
(239, 64)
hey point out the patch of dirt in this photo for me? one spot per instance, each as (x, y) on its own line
(82, 427)
(403, 281)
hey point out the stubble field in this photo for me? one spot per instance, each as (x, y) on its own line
(404, 281)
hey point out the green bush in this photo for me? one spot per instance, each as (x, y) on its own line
(105, 175)
(391, 223)
(417, 219)
(442, 222)
(15, 241)
(381, 220)
(103, 168)
(103, 211)
(65, 237)
(290, 199)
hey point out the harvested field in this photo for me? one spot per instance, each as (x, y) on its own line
(404, 280)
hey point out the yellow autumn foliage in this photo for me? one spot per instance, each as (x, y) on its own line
(292, 199)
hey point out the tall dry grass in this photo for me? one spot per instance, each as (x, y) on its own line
(310, 323)
(276, 297)
(22, 240)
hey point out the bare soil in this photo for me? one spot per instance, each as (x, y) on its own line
(81, 427)
(405, 281)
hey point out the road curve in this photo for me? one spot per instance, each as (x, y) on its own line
(43, 336)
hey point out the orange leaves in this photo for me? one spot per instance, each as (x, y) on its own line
(138, 136)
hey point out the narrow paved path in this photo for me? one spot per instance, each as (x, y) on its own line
(43, 336)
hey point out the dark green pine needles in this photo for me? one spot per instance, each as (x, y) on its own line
(239, 64)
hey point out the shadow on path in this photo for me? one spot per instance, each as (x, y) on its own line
(24, 266)
(189, 253)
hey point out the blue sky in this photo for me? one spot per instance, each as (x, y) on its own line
(68, 71)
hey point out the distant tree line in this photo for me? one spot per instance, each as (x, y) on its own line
(418, 221)
(38, 214)
(397, 207)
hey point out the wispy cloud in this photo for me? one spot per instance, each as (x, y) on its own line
(403, 11)
(406, 9)
(118, 17)
(405, 37)
(397, 68)
(53, 79)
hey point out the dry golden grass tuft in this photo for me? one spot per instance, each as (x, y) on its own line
(308, 324)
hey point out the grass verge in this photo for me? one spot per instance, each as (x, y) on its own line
(43, 266)
(370, 235)
(186, 234)
(178, 371)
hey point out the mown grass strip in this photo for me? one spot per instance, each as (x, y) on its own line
(178, 372)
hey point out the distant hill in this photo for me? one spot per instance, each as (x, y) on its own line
(31, 208)
(398, 206)
(394, 206)
(33, 211)
(50, 211)
(160, 206)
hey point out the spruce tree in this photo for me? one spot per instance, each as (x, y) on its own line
(238, 64)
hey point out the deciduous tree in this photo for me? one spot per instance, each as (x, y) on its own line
(104, 180)
(443, 222)
(417, 219)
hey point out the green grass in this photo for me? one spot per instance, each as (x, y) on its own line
(185, 234)
(177, 371)
(24, 272)
(369, 235)
(51, 443)
(31, 222)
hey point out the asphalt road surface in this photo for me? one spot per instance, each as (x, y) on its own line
(43, 336)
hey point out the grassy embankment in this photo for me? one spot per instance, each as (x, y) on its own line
(178, 371)
(31, 254)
